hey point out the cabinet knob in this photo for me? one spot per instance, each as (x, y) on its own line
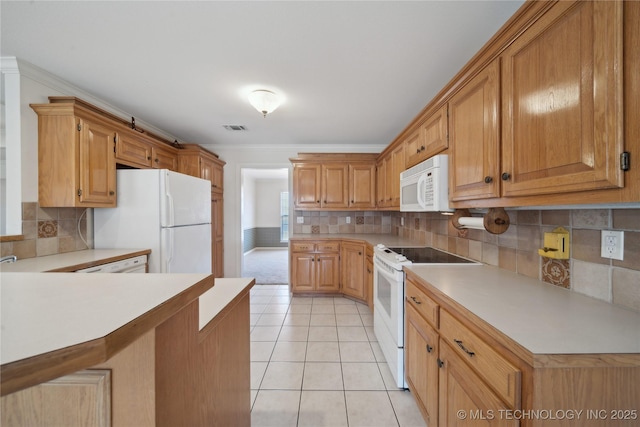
(111, 193)
(488, 179)
(417, 151)
(157, 161)
(440, 363)
(317, 201)
(506, 176)
(148, 157)
(429, 348)
(422, 148)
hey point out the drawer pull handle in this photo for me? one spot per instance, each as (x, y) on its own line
(470, 353)
(429, 348)
(416, 301)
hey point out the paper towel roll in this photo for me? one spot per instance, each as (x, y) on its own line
(472, 222)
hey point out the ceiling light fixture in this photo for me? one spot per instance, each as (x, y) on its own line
(264, 101)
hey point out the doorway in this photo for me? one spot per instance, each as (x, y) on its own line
(264, 221)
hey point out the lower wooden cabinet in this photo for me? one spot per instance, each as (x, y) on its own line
(368, 278)
(421, 364)
(353, 269)
(464, 399)
(315, 267)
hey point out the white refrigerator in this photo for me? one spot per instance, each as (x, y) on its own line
(167, 212)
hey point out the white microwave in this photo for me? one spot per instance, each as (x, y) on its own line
(425, 186)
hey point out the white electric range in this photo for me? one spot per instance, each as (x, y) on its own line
(389, 294)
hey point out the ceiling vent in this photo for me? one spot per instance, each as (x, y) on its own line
(234, 127)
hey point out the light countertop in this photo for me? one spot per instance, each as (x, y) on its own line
(542, 318)
(55, 324)
(47, 312)
(70, 261)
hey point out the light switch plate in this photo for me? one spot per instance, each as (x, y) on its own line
(612, 244)
(300, 219)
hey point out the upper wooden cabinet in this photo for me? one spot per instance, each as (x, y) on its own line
(544, 114)
(562, 127)
(76, 162)
(334, 181)
(429, 139)
(134, 151)
(335, 185)
(474, 133)
(390, 165)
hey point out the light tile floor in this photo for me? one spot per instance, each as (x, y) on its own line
(315, 361)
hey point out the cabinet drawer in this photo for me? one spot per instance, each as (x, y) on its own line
(302, 246)
(499, 374)
(327, 246)
(427, 307)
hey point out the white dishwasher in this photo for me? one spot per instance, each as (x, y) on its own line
(130, 265)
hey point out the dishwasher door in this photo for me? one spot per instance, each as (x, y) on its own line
(130, 265)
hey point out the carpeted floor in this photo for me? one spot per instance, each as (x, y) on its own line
(267, 265)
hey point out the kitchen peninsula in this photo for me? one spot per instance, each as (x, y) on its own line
(132, 349)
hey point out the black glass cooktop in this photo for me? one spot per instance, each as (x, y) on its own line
(430, 256)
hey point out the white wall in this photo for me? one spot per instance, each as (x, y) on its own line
(267, 201)
(248, 214)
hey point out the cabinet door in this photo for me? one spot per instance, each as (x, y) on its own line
(327, 272)
(414, 148)
(164, 159)
(353, 269)
(421, 364)
(389, 181)
(306, 185)
(362, 186)
(302, 272)
(562, 101)
(462, 390)
(335, 185)
(398, 166)
(435, 136)
(217, 231)
(381, 184)
(368, 280)
(217, 174)
(133, 151)
(474, 133)
(97, 165)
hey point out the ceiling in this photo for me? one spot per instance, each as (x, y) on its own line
(351, 72)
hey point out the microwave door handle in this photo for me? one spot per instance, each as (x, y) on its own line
(422, 181)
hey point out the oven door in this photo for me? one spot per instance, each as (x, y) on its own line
(388, 294)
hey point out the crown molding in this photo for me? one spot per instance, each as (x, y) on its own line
(44, 77)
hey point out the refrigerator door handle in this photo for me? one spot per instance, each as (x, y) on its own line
(170, 207)
(168, 246)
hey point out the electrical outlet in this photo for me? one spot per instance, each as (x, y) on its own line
(300, 219)
(612, 244)
(402, 221)
(348, 219)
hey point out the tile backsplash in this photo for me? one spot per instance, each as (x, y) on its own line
(48, 231)
(516, 249)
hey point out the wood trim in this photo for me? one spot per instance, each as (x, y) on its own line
(12, 238)
(335, 157)
(72, 268)
(35, 370)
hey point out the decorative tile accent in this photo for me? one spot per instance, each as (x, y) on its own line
(359, 220)
(47, 229)
(556, 272)
(416, 223)
(315, 229)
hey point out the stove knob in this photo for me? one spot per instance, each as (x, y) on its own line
(380, 246)
(401, 258)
